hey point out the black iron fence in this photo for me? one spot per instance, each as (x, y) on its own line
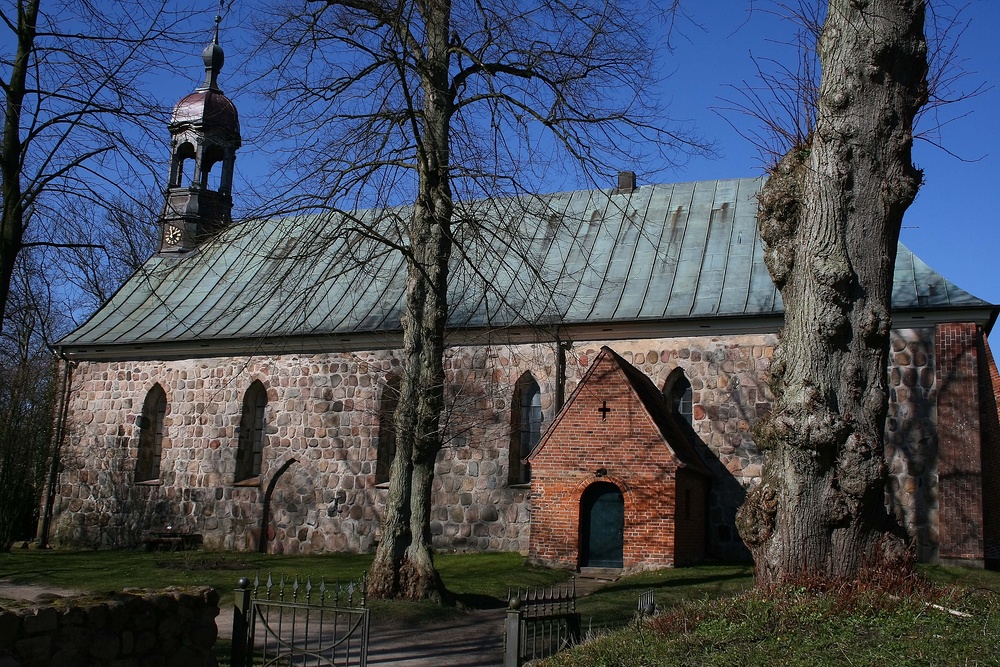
(540, 623)
(298, 623)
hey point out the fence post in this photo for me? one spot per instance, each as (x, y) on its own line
(241, 610)
(512, 634)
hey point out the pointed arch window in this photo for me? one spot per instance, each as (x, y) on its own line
(154, 410)
(525, 427)
(386, 451)
(250, 450)
(680, 396)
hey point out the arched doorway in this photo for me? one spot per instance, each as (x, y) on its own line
(602, 526)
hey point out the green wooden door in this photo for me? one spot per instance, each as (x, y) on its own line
(602, 525)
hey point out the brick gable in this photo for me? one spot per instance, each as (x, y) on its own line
(615, 429)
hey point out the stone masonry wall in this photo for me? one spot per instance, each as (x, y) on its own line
(148, 628)
(911, 449)
(322, 414)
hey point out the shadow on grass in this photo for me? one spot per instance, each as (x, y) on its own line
(615, 604)
(679, 583)
(479, 601)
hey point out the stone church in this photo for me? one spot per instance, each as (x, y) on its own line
(607, 355)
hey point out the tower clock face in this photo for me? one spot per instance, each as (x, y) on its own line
(172, 235)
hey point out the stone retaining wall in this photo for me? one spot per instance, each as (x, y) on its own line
(130, 629)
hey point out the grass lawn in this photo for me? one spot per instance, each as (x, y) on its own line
(954, 622)
(478, 581)
(708, 617)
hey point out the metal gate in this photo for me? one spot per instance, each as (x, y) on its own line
(540, 623)
(288, 623)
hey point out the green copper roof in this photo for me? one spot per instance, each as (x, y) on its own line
(661, 252)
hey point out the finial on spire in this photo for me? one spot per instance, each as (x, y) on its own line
(218, 20)
(213, 56)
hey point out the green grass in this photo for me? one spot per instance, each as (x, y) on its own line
(478, 581)
(615, 604)
(708, 615)
(856, 624)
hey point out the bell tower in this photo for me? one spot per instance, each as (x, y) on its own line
(205, 133)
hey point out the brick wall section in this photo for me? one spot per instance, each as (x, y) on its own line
(989, 415)
(623, 446)
(960, 492)
(692, 518)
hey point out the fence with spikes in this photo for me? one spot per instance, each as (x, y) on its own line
(540, 623)
(300, 622)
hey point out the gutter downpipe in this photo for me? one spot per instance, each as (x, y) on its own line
(50, 486)
(562, 347)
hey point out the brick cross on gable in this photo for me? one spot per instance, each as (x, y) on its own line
(604, 410)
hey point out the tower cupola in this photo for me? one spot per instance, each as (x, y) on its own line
(205, 133)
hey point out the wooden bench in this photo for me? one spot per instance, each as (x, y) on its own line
(171, 540)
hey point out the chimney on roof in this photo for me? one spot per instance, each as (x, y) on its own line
(626, 182)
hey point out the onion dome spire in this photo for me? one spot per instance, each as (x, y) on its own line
(205, 134)
(214, 58)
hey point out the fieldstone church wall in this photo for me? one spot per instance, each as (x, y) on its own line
(322, 427)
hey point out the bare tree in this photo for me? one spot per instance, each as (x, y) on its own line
(431, 103)
(27, 399)
(101, 246)
(78, 114)
(830, 216)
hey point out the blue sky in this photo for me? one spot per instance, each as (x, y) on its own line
(953, 224)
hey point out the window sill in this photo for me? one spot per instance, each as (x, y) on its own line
(249, 481)
(149, 482)
(525, 485)
(382, 485)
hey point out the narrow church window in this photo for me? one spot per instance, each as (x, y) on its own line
(250, 450)
(680, 398)
(387, 430)
(525, 427)
(154, 409)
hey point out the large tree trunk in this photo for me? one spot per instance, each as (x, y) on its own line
(404, 564)
(830, 216)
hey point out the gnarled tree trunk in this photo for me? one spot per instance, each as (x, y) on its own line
(830, 216)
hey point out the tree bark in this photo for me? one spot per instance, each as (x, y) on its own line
(404, 563)
(11, 151)
(830, 216)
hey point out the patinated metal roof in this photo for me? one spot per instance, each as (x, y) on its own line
(658, 253)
